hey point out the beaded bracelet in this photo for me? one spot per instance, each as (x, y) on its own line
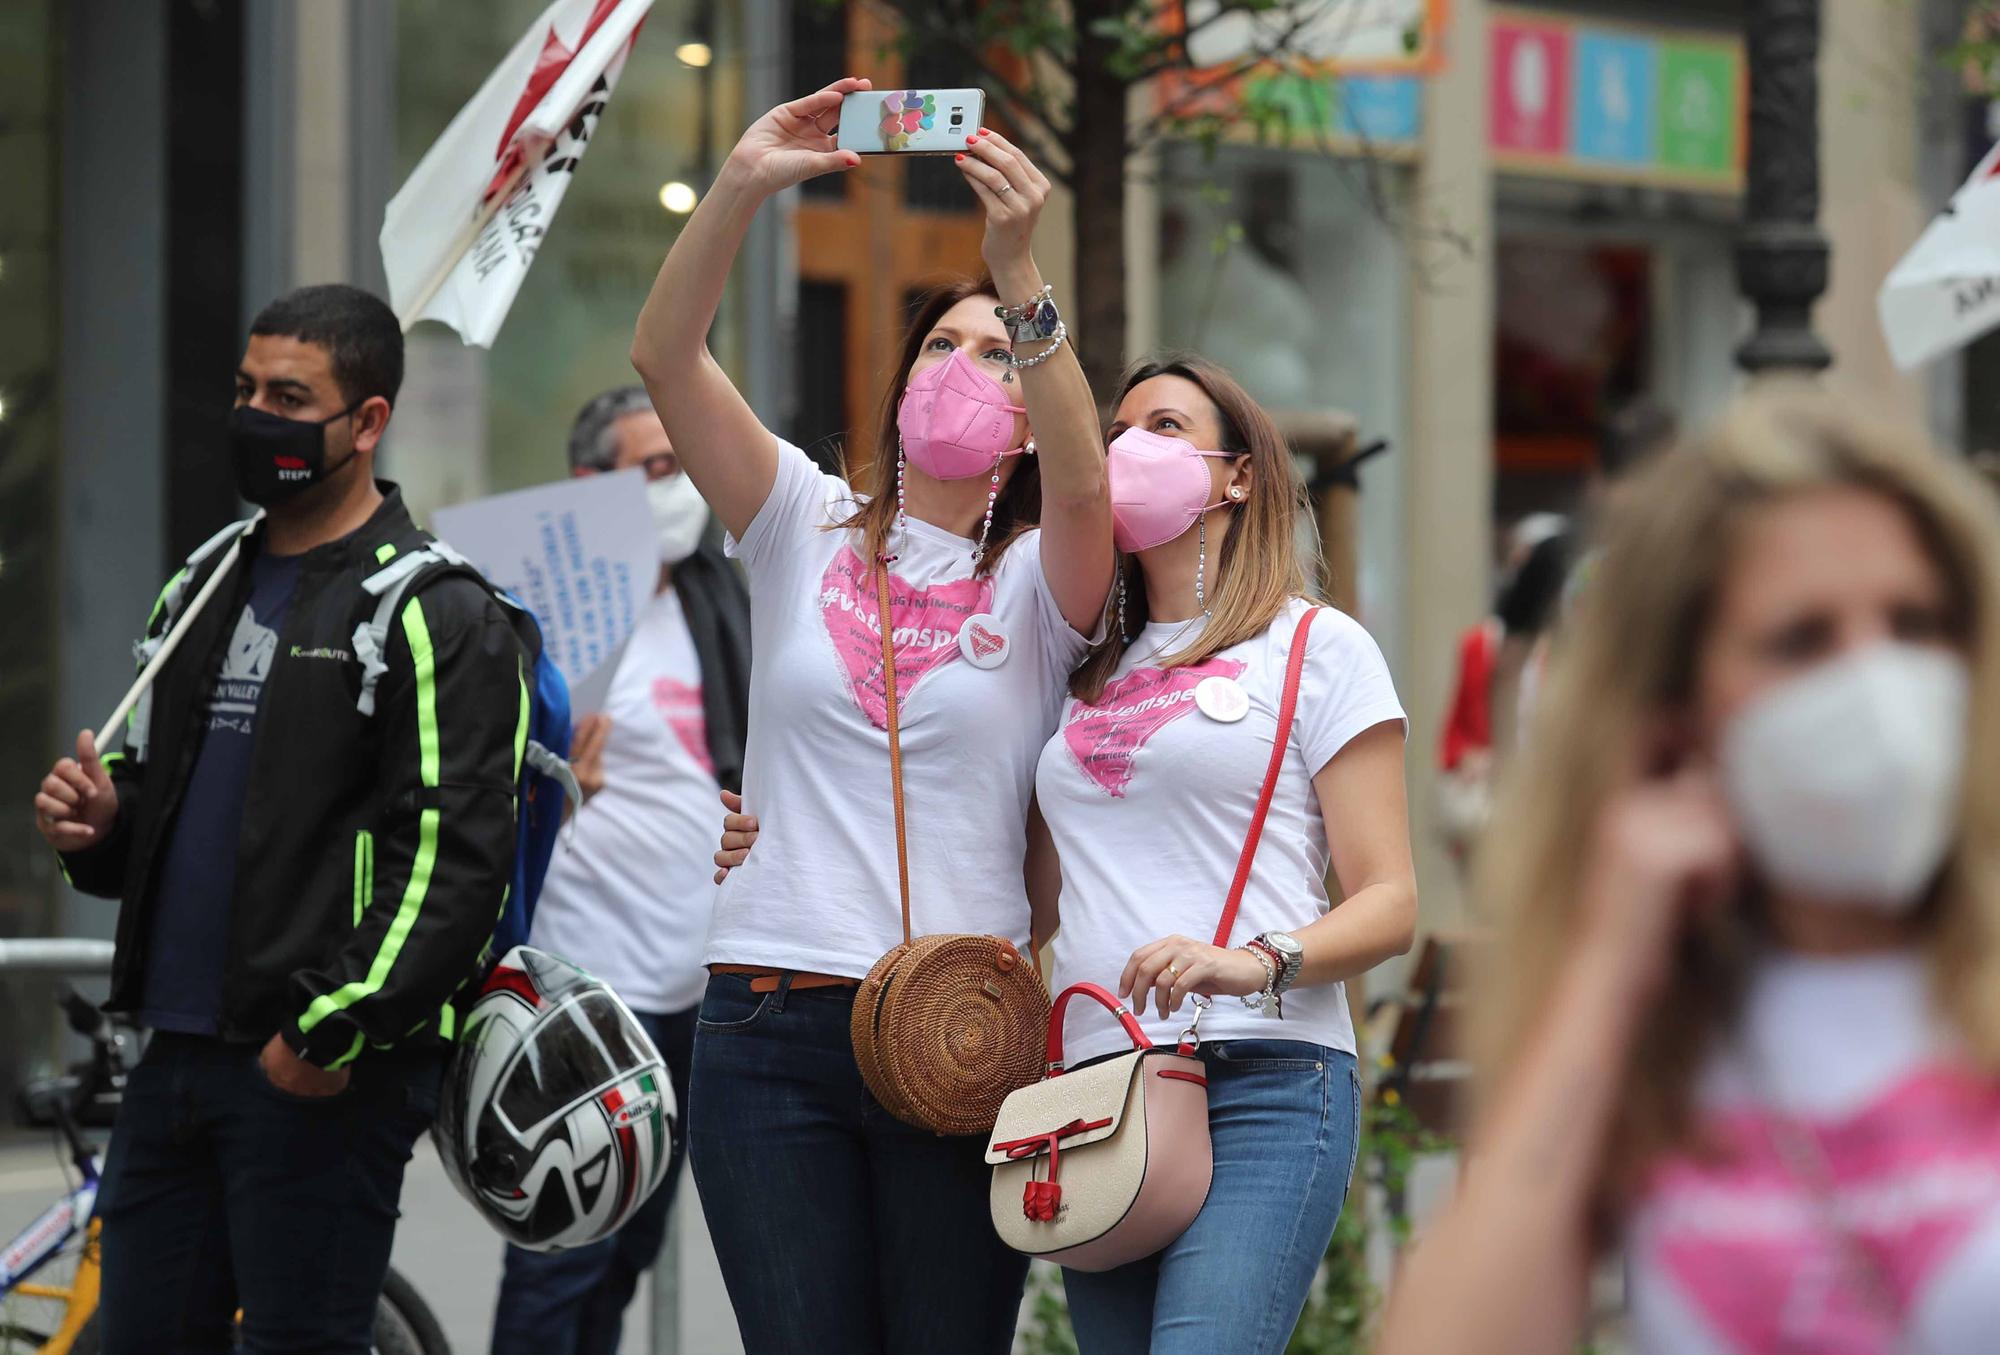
(1056, 341)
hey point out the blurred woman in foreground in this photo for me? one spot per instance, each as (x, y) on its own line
(1744, 1016)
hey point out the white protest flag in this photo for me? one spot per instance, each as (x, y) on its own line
(459, 238)
(1946, 291)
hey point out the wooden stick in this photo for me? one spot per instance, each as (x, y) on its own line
(167, 646)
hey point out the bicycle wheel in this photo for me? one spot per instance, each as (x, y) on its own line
(36, 1310)
(404, 1323)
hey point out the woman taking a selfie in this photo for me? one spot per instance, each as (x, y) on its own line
(1744, 1013)
(839, 1227)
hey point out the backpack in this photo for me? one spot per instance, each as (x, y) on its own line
(545, 776)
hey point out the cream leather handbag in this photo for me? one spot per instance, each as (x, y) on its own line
(1137, 1126)
(1134, 1126)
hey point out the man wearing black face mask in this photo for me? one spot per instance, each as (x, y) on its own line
(307, 884)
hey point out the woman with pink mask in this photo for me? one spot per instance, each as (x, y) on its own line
(1148, 790)
(838, 1226)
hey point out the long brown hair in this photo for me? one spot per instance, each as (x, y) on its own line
(1257, 565)
(1628, 656)
(1019, 507)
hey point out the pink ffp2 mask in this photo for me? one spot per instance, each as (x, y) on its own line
(955, 420)
(1159, 486)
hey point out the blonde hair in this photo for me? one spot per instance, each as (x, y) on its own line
(1256, 556)
(1629, 655)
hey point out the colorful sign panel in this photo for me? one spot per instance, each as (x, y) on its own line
(1700, 106)
(1617, 115)
(1529, 88)
(1605, 101)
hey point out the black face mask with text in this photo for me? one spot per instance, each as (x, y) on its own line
(277, 458)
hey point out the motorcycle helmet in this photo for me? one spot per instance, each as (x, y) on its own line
(556, 1119)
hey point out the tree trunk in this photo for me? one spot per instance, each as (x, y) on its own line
(1096, 146)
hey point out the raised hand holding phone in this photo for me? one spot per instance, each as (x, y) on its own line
(796, 141)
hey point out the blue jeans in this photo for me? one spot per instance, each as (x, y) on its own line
(1284, 1118)
(220, 1189)
(573, 1302)
(840, 1228)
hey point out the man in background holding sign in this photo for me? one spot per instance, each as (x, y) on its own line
(628, 899)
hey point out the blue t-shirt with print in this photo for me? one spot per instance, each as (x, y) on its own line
(188, 935)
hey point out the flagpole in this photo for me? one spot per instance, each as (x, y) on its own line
(171, 643)
(455, 253)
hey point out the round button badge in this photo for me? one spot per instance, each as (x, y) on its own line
(983, 640)
(1222, 699)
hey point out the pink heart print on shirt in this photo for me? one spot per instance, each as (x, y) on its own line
(1106, 735)
(1749, 1245)
(926, 623)
(679, 704)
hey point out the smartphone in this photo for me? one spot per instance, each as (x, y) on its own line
(910, 121)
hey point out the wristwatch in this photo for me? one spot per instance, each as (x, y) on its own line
(1034, 319)
(1291, 953)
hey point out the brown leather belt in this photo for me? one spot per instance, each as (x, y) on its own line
(765, 980)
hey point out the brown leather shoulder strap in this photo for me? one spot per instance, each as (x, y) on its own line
(887, 627)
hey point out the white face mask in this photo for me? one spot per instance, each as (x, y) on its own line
(1845, 781)
(679, 516)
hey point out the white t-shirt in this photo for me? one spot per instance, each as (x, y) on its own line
(819, 892)
(1149, 802)
(1738, 1254)
(628, 897)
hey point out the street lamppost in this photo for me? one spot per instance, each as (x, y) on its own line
(1781, 263)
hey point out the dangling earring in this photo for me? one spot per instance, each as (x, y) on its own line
(1201, 564)
(1123, 636)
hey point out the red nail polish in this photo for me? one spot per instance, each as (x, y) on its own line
(986, 131)
(972, 141)
(958, 157)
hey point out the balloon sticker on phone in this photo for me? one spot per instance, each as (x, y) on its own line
(904, 114)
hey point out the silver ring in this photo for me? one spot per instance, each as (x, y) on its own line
(1004, 188)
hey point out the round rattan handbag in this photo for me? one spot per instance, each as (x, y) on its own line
(946, 1026)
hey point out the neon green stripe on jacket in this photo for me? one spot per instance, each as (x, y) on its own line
(417, 631)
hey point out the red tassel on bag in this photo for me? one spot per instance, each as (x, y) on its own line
(1041, 1199)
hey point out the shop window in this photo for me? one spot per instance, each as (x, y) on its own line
(1572, 347)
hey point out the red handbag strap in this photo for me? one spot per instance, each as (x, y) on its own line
(1287, 707)
(1101, 995)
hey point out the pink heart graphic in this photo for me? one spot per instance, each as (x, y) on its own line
(1912, 1175)
(1105, 736)
(679, 704)
(926, 623)
(985, 642)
